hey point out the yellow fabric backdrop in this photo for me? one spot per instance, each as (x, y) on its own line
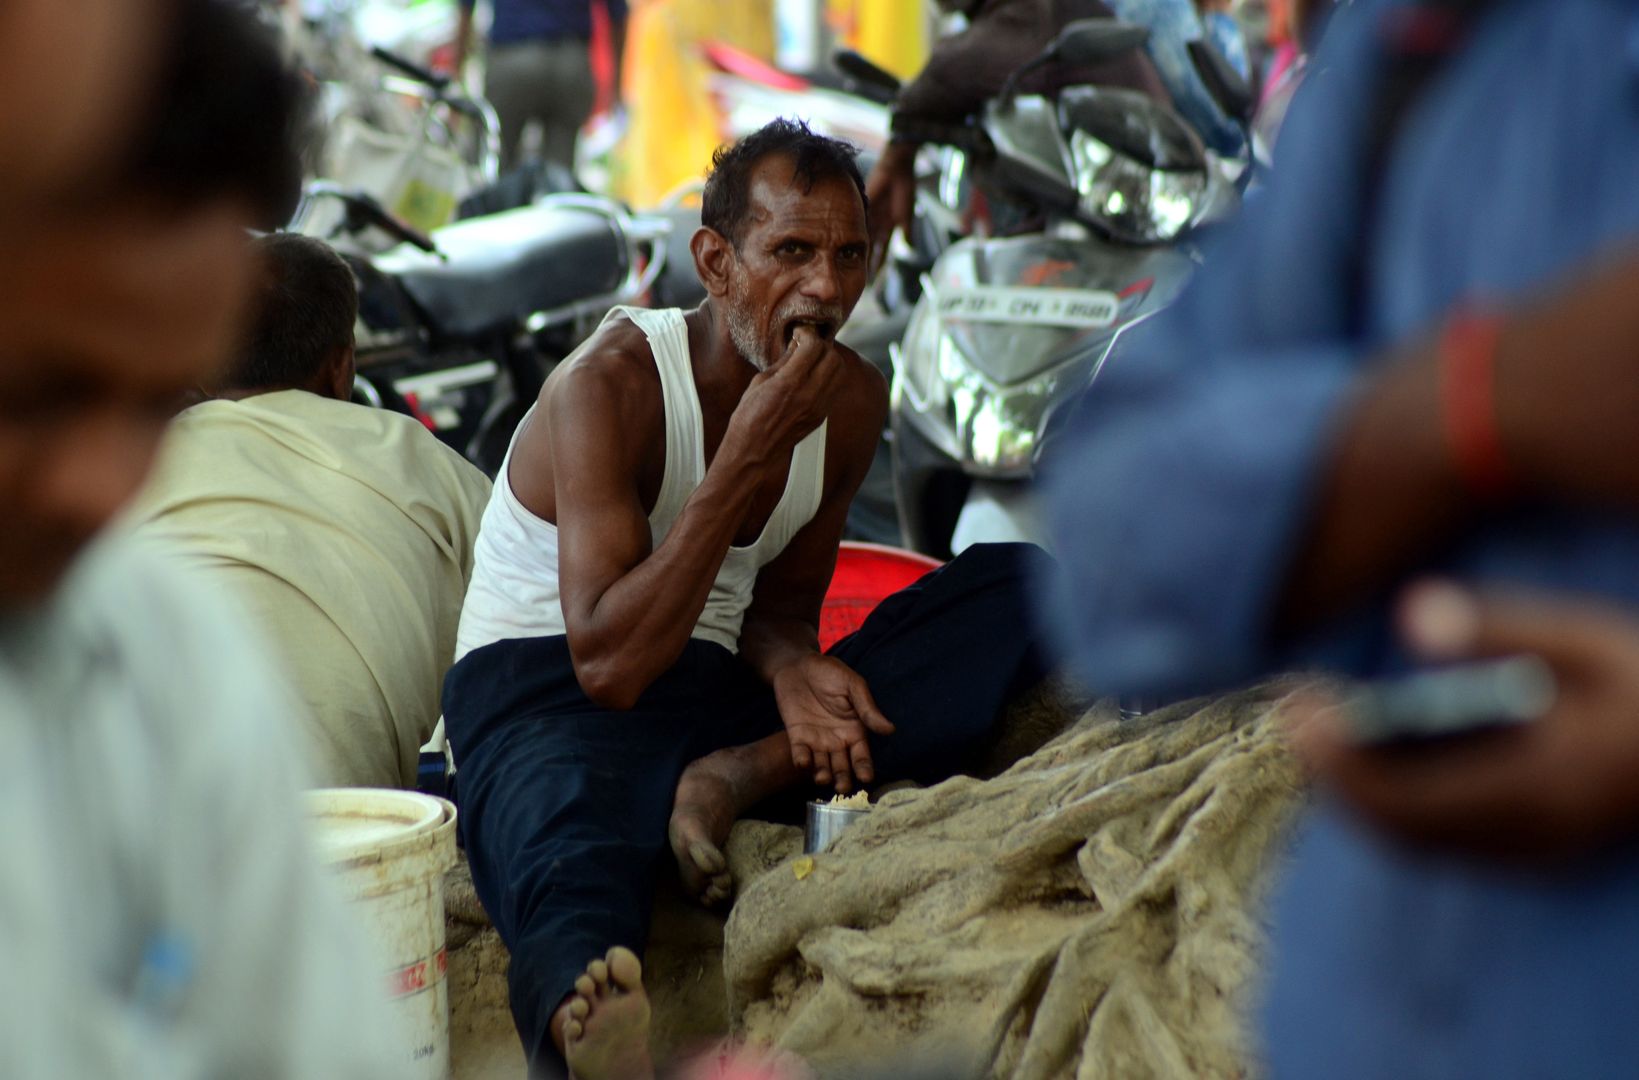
(892, 33)
(673, 122)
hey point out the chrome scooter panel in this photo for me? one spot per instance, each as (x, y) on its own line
(1020, 306)
(1009, 329)
(1028, 145)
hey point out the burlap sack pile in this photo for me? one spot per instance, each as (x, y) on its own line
(1092, 912)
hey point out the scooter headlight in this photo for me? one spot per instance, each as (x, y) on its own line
(1131, 201)
(987, 428)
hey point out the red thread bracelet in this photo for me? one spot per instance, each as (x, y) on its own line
(1468, 404)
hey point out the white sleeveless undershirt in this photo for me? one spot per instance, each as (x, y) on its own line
(514, 587)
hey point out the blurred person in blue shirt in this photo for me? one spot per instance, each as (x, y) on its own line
(539, 69)
(1413, 355)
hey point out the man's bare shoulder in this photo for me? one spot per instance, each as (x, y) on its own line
(864, 391)
(615, 364)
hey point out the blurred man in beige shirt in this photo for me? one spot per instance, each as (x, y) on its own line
(344, 531)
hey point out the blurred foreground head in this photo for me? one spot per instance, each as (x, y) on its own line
(126, 259)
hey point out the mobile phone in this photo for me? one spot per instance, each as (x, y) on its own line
(1448, 701)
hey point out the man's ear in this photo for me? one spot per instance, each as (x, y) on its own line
(339, 373)
(713, 258)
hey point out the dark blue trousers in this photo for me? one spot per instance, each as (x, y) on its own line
(564, 804)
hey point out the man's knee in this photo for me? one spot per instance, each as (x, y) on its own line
(1025, 562)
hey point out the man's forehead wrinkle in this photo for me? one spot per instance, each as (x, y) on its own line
(805, 215)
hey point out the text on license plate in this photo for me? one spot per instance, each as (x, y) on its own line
(1047, 307)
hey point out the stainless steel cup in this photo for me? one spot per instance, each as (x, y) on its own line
(826, 822)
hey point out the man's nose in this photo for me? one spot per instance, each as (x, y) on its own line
(823, 282)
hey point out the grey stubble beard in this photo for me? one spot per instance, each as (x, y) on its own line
(742, 330)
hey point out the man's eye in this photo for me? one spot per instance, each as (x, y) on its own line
(792, 247)
(852, 254)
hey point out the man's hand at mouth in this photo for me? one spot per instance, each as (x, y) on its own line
(789, 400)
(827, 710)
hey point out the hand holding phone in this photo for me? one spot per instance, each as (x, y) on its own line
(1558, 774)
(1450, 701)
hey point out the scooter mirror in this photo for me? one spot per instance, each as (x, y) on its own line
(1086, 42)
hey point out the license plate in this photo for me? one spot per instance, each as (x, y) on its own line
(1044, 307)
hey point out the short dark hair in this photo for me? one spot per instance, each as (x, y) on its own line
(302, 308)
(726, 205)
(223, 117)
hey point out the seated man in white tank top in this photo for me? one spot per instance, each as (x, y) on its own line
(638, 663)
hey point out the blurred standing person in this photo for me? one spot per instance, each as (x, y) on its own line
(539, 69)
(163, 916)
(1371, 381)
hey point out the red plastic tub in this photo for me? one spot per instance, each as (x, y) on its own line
(866, 575)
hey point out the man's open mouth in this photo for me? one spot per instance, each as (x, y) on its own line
(825, 328)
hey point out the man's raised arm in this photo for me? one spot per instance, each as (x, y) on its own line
(629, 610)
(825, 706)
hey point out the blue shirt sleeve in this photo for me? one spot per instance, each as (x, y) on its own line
(1187, 475)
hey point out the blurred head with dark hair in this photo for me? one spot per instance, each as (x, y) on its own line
(124, 277)
(222, 120)
(73, 75)
(782, 239)
(299, 331)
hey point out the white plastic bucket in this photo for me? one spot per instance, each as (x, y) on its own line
(390, 850)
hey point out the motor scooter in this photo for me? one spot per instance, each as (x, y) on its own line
(1104, 193)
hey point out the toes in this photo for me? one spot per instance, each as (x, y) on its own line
(572, 1030)
(707, 858)
(600, 974)
(625, 968)
(717, 890)
(579, 1007)
(585, 987)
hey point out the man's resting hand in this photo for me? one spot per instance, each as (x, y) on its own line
(1549, 789)
(827, 708)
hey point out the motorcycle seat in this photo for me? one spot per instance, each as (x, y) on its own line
(500, 269)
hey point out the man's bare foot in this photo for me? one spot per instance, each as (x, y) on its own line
(606, 1021)
(702, 815)
(713, 792)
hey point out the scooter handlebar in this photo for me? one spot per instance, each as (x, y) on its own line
(867, 79)
(411, 68)
(364, 210)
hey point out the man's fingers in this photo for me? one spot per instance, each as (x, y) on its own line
(860, 755)
(1468, 792)
(859, 696)
(1445, 622)
(801, 756)
(804, 351)
(840, 770)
